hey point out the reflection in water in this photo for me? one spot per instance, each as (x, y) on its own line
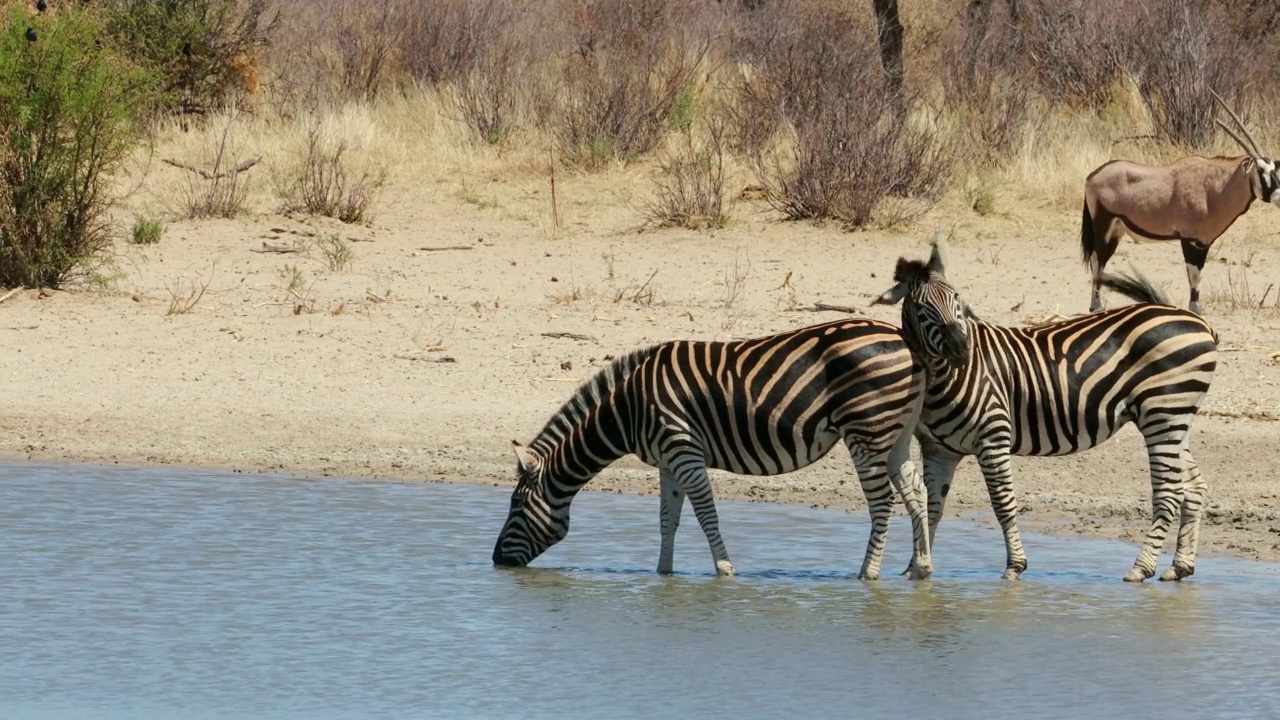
(153, 594)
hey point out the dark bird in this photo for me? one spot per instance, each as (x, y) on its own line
(41, 5)
(186, 49)
(31, 34)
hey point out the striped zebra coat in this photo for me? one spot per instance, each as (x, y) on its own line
(757, 407)
(994, 392)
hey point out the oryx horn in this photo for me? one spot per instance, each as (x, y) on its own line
(1252, 146)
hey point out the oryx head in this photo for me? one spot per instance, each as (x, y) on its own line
(535, 521)
(1262, 169)
(934, 318)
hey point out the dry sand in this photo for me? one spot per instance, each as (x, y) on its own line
(424, 365)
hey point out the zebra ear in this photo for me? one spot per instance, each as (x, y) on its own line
(527, 461)
(892, 296)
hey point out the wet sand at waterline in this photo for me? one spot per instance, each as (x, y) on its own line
(422, 363)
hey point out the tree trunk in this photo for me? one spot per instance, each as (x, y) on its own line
(891, 38)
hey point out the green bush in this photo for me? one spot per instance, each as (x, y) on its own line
(147, 230)
(202, 50)
(68, 116)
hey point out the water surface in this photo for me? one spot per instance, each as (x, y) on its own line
(158, 594)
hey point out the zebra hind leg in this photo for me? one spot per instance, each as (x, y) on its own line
(1184, 558)
(873, 476)
(695, 483)
(1165, 436)
(671, 504)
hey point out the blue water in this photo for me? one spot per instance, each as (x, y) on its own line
(128, 593)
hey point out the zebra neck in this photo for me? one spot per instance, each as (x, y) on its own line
(940, 371)
(584, 438)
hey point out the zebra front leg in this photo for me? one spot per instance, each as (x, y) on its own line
(695, 483)
(669, 508)
(939, 470)
(910, 486)
(1184, 558)
(1164, 457)
(997, 470)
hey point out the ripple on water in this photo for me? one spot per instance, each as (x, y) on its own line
(149, 593)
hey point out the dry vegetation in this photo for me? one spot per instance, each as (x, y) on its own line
(1025, 96)
(1003, 102)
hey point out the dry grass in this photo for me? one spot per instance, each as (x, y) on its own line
(983, 128)
(689, 187)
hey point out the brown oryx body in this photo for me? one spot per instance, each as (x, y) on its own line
(1193, 200)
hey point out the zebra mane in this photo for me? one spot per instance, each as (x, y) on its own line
(590, 395)
(910, 271)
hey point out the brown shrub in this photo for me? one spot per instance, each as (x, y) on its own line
(689, 187)
(853, 147)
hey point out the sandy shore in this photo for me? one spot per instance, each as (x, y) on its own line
(424, 364)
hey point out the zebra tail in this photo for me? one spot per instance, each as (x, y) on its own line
(1087, 241)
(1135, 287)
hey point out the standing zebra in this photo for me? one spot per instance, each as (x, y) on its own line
(1056, 389)
(757, 407)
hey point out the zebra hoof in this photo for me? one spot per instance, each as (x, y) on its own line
(1175, 573)
(1012, 574)
(921, 572)
(1135, 576)
(869, 575)
(724, 568)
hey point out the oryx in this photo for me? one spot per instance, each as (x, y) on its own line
(1194, 200)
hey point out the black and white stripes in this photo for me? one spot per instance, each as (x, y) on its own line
(993, 392)
(758, 407)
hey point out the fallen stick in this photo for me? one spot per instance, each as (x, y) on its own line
(424, 358)
(269, 248)
(827, 307)
(568, 335)
(9, 294)
(244, 165)
(444, 247)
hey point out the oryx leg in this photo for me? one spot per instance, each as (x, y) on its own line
(939, 471)
(691, 477)
(1107, 229)
(1194, 254)
(671, 504)
(1184, 558)
(997, 470)
(1166, 437)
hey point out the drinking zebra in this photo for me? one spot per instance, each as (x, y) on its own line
(1056, 389)
(764, 406)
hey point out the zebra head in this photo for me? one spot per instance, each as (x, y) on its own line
(934, 318)
(533, 523)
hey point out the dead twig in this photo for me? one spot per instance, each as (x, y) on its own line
(828, 307)
(244, 165)
(269, 248)
(636, 298)
(445, 247)
(569, 335)
(9, 294)
(424, 358)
